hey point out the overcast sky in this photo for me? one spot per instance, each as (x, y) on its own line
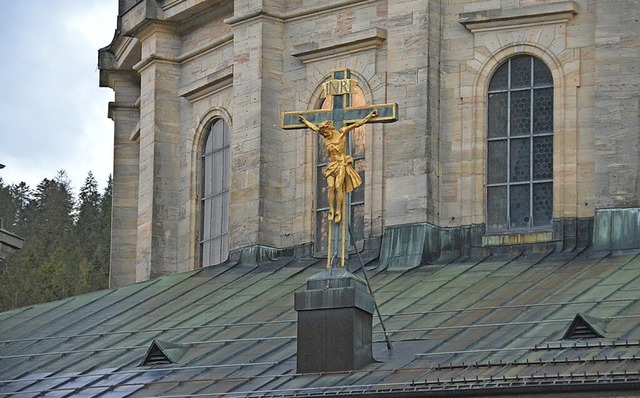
(53, 114)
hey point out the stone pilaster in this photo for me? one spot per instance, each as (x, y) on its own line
(406, 150)
(125, 114)
(617, 110)
(158, 204)
(256, 141)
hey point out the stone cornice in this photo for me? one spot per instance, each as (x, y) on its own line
(153, 58)
(220, 41)
(114, 107)
(106, 64)
(108, 78)
(181, 10)
(122, 53)
(125, 48)
(346, 44)
(495, 19)
(319, 9)
(298, 13)
(139, 16)
(211, 83)
(239, 19)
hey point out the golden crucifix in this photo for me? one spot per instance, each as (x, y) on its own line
(341, 177)
(334, 126)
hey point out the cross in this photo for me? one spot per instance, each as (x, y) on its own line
(341, 86)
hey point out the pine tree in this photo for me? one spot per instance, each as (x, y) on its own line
(102, 254)
(67, 242)
(88, 213)
(22, 196)
(50, 216)
(9, 207)
(93, 231)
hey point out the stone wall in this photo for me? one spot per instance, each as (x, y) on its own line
(616, 112)
(178, 65)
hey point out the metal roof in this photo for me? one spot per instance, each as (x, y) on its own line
(471, 327)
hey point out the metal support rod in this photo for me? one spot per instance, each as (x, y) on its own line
(329, 253)
(366, 277)
(344, 235)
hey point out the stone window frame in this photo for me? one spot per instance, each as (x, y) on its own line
(543, 31)
(198, 144)
(509, 139)
(564, 68)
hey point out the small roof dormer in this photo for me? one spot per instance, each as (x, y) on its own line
(163, 353)
(585, 327)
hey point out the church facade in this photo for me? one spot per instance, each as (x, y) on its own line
(518, 127)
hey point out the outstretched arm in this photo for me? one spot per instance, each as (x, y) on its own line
(308, 123)
(361, 122)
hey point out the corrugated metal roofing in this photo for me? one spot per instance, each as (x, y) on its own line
(471, 326)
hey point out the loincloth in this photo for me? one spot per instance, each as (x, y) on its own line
(343, 171)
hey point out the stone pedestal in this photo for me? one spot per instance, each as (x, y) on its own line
(334, 323)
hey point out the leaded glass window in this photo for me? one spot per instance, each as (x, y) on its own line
(520, 146)
(214, 198)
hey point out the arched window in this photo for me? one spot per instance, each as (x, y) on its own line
(214, 195)
(520, 146)
(356, 148)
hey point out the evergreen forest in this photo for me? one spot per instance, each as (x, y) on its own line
(67, 239)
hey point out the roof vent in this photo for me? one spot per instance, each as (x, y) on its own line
(584, 327)
(163, 353)
(334, 323)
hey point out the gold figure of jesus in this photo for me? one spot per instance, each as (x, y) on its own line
(341, 177)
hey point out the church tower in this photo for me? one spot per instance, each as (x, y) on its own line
(518, 128)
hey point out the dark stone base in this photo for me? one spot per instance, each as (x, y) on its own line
(334, 323)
